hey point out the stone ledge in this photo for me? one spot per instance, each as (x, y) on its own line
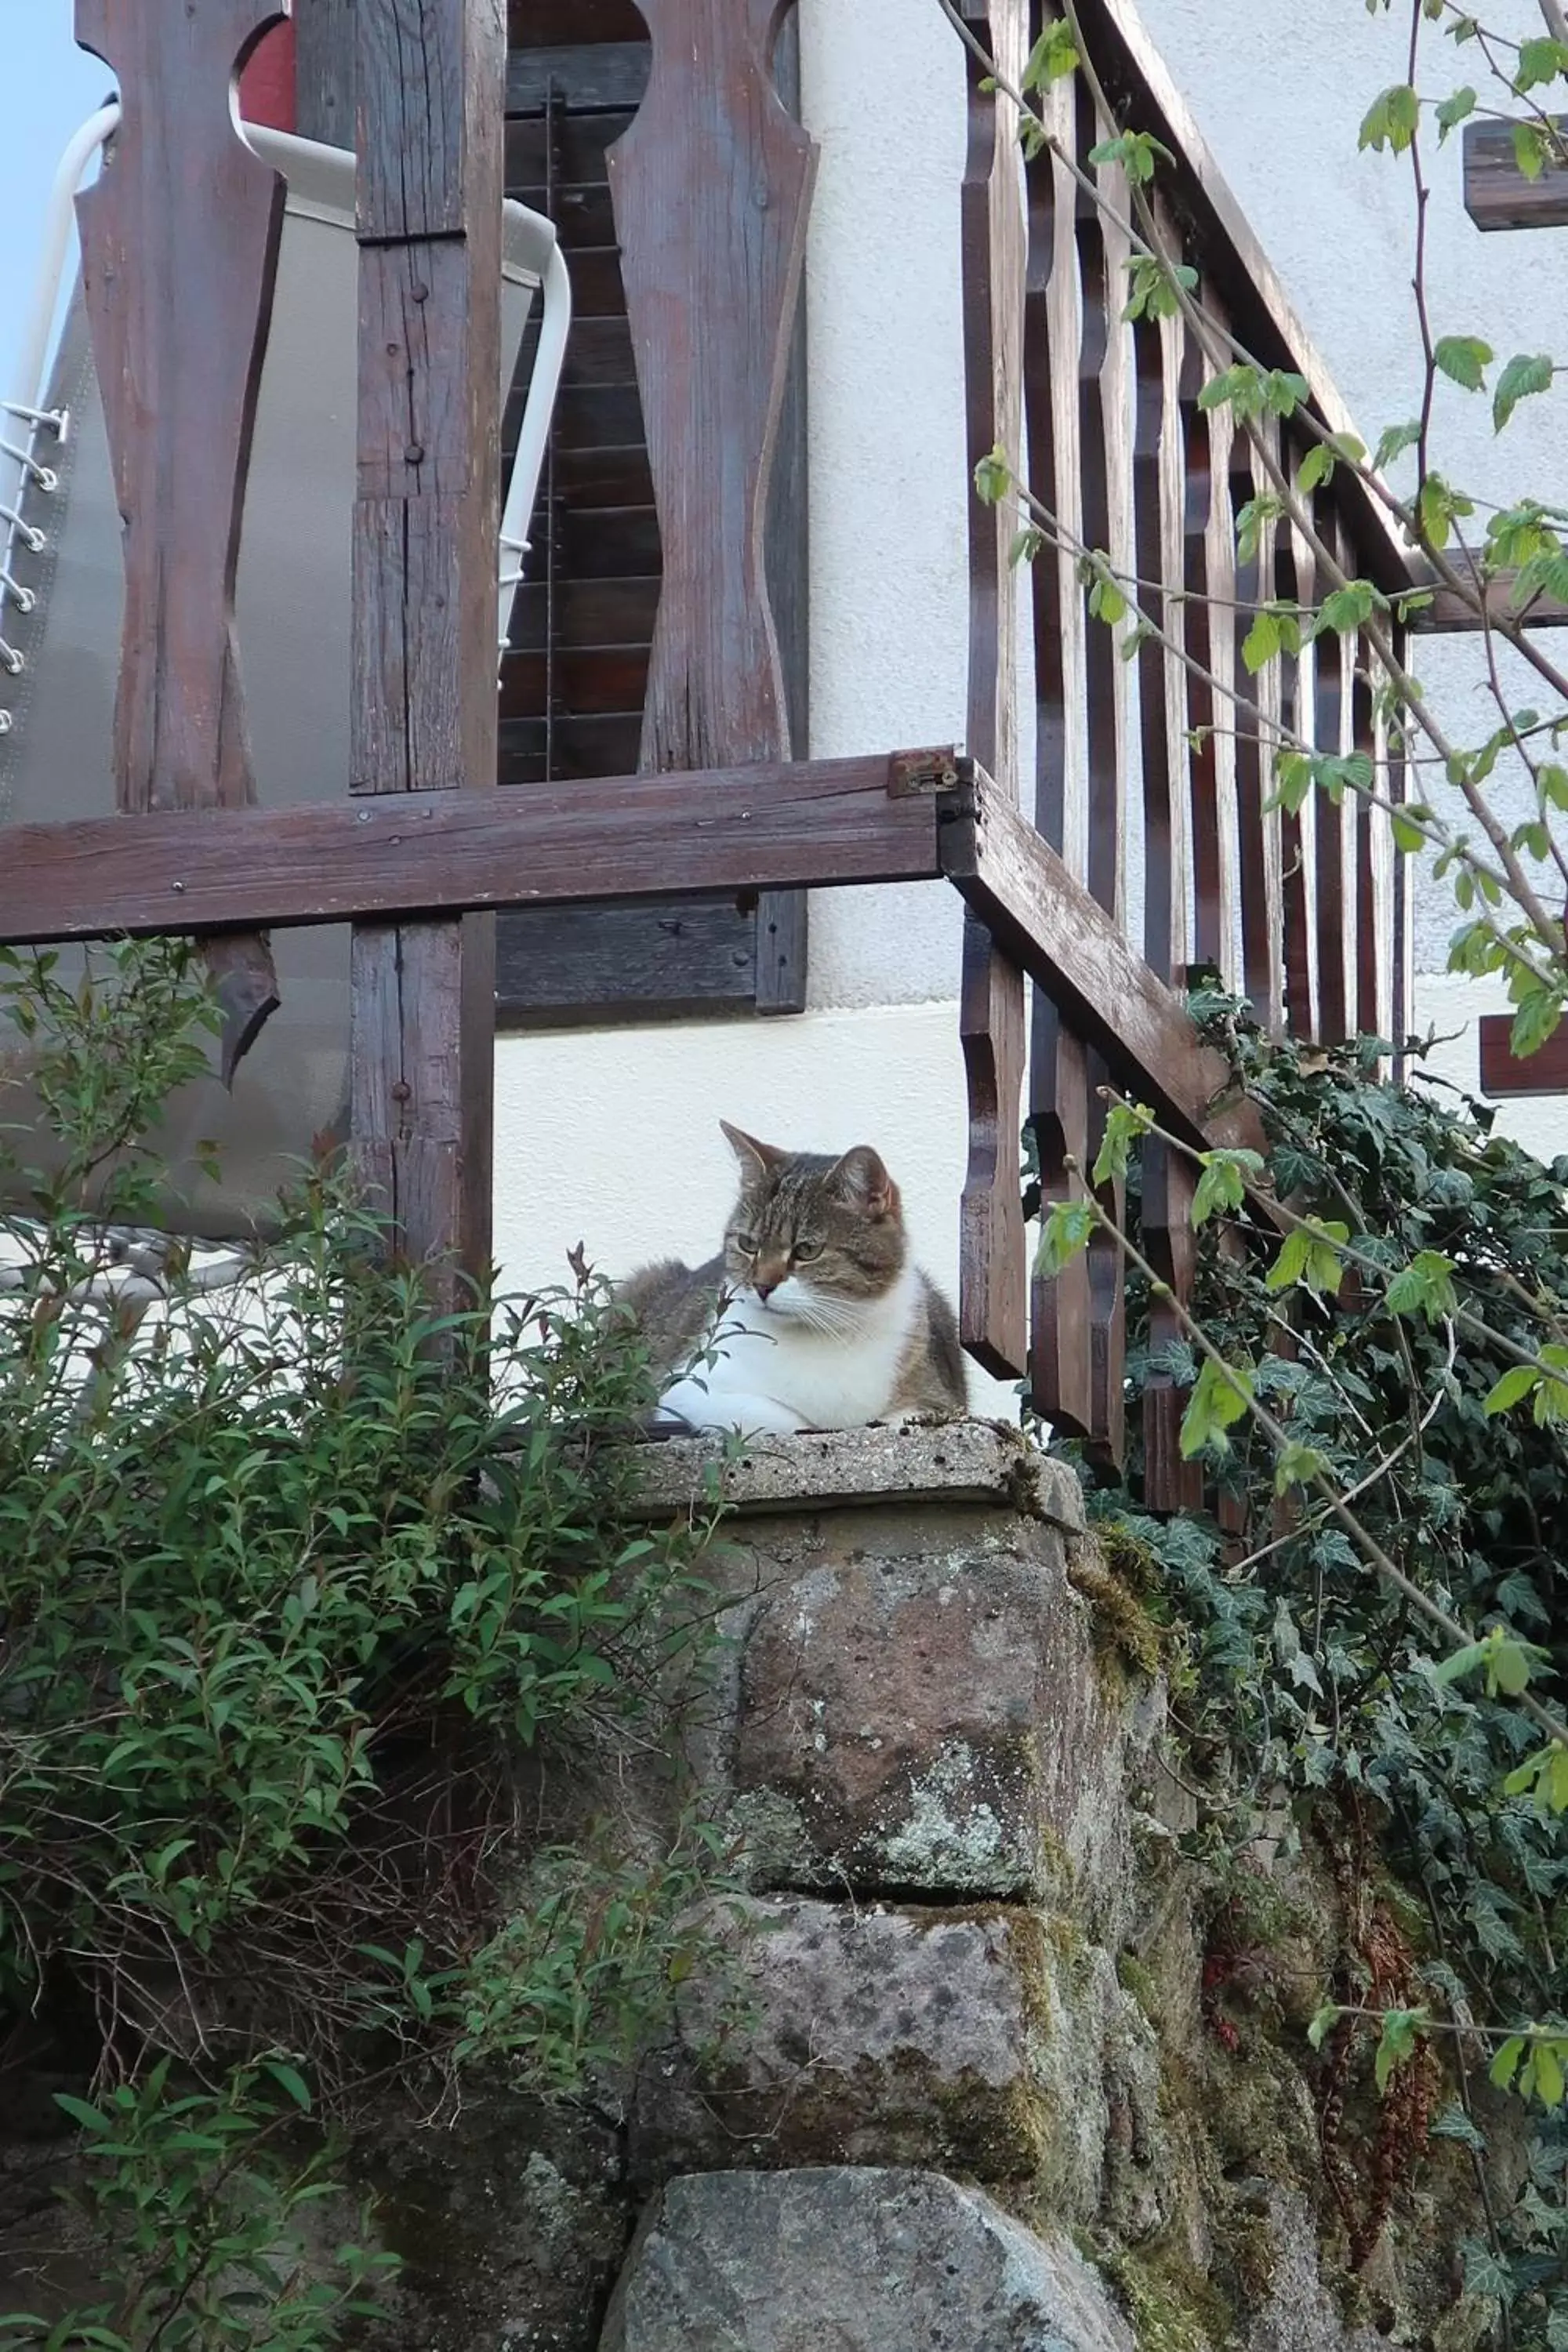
(983, 1462)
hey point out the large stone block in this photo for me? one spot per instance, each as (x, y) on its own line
(920, 1710)
(941, 2038)
(858, 2261)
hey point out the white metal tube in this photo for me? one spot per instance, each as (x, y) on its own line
(528, 466)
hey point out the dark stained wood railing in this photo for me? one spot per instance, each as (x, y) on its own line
(1149, 846)
(1151, 781)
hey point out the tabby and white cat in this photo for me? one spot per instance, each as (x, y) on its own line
(813, 1316)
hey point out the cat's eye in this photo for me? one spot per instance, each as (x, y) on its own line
(746, 1244)
(804, 1252)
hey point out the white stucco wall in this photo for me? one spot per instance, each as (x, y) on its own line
(611, 1137)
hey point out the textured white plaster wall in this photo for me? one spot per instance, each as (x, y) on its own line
(611, 1137)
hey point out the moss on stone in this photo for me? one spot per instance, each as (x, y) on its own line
(1171, 2307)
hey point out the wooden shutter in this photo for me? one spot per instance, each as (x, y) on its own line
(573, 683)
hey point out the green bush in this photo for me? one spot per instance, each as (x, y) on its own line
(289, 1584)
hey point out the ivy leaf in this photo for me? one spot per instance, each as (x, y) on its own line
(1526, 373)
(1464, 358)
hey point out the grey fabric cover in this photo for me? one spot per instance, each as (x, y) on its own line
(293, 621)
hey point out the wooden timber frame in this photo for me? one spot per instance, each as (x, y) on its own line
(1141, 847)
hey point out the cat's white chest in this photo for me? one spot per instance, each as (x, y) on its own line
(772, 1372)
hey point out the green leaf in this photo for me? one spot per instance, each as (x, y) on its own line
(1391, 120)
(1220, 1396)
(1396, 2043)
(1526, 373)
(994, 476)
(1531, 149)
(1464, 358)
(1316, 468)
(1539, 60)
(1323, 2023)
(1424, 1288)
(1125, 1124)
(1394, 443)
(1409, 835)
(1261, 642)
(1064, 1236)
(1054, 55)
(1297, 1465)
(1451, 111)
(1222, 1184)
(1511, 1388)
(1310, 1255)
(1536, 1019)
(290, 2079)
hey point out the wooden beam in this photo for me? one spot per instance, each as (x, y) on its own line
(1455, 615)
(180, 246)
(1496, 194)
(825, 822)
(429, 83)
(1506, 1077)
(1049, 924)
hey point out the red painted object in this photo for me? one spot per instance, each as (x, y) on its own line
(267, 85)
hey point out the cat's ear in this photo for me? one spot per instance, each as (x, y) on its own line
(861, 1180)
(756, 1159)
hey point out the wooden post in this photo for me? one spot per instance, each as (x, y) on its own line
(179, 244)
(993, 1282)
(429, 77)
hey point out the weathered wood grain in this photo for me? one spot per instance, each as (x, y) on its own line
(778, 827)
(1505, 1077)
(429, 77)
(992, 1248)
(179, 241)
(1058, 1066)
(1496, 194)
(711, 187)
(1068, 944)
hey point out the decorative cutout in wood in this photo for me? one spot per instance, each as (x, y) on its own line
(179, 241)
(710, 188)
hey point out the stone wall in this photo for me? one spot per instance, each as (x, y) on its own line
(991, 2050)
(956, 2081)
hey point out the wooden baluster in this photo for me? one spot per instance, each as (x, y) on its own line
(1330, 715)
(429, 81)
(1102, 418)
(1167, 1181)
(179, 242)
(1059, 1075)
(1369, 836)
(1400, 873)
(1260, 960)
(1294, 572)
(712, 189)
(992, 1282)
(1203, 829)
(711, 192)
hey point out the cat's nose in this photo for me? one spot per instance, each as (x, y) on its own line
(765, 1284)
